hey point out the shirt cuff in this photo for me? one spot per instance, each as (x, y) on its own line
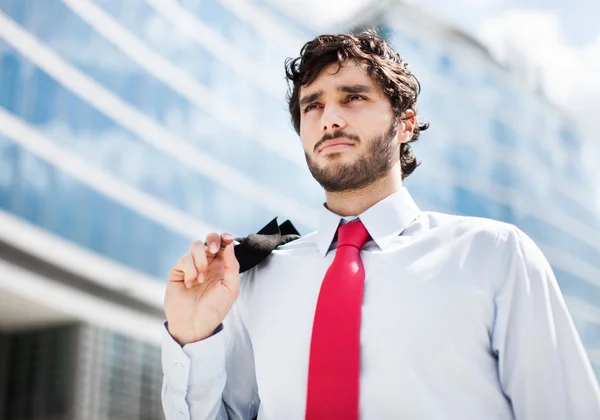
(197, 363)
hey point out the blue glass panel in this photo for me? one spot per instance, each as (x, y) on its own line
(502, 174)
(17, 10)
(34, 199)
(577, 210)
(97, 218)
(470, 203)
(77, 113)
(445, 64)
(9, 165)
(5, 6)
(404, 39)
(542, 231)
(167, 250)
(572, 171)
(544, 156)
(10, 80)
(420, 188)
(591, 335)
(503, 133)
(462, 157)
(572, 285)
(144, 255)
(67, 208)
(596, 369)
(569, 138)
(41, 106)
(122, 226)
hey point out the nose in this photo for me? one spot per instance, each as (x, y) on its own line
(332, 118)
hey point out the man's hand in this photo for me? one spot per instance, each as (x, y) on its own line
(201, 289)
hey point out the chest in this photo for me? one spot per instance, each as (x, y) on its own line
(422, 297)
(420, 313)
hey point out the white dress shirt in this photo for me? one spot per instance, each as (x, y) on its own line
(462, 319)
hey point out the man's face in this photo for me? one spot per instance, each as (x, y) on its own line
(348, 129)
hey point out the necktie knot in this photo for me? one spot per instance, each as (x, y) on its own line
(354, 234)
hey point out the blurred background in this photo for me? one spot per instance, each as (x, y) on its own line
(130, 128)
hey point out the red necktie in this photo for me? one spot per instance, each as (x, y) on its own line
(334, 366)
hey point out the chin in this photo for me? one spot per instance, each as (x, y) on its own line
(335, 164)
(339, 156)
(332, 162)
(332, 156)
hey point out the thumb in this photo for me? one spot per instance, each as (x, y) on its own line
(231, 266)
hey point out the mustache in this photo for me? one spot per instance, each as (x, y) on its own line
(336, 135)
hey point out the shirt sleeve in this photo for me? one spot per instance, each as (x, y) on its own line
(213, 378)
(543, 367)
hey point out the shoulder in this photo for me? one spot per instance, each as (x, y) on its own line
(308, 241)
(503, 245)
(503, 240)
(477, 229)
(304, 246)
(501, 249)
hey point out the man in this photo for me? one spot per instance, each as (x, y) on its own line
(385, 312)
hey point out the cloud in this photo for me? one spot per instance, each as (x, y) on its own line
(321, 15)
(479, 3)
(531, 42)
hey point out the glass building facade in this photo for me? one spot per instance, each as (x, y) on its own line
(130, 128)
(186, 115)
(79, 372)
(498, 148)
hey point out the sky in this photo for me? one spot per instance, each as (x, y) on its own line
(577, 18)
(560, 41)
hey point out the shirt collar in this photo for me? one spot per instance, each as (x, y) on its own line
(384, 221)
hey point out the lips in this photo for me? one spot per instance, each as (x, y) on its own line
(335, 142)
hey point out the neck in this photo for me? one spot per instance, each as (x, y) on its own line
(355, 202)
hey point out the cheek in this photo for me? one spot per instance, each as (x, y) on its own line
(305, 139)
(308, 135)
(369, 117)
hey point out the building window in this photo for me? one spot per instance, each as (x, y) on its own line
(445, 64)
(569, 138)
(503, 133)
(503, 174)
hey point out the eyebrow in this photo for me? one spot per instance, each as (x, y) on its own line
(354, 89)
(344, 88)
(312, 97)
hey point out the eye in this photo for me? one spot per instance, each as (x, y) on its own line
(355, 98)
(310, 107)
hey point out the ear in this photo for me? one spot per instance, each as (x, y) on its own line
(408, 120)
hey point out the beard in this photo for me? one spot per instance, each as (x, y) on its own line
(382, 154)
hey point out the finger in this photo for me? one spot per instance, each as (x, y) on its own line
(231, 268)
(198, 253)
(189, 270)
(184, 271)
(213, 242)
(226, 239)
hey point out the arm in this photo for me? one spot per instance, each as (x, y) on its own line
(213, 378)
(543, 367)
(207, 358)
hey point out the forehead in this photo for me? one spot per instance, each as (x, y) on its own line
(350, 73)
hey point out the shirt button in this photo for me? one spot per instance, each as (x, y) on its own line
(179, 365)
(180, 413)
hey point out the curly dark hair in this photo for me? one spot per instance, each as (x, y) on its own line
(382, 63)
